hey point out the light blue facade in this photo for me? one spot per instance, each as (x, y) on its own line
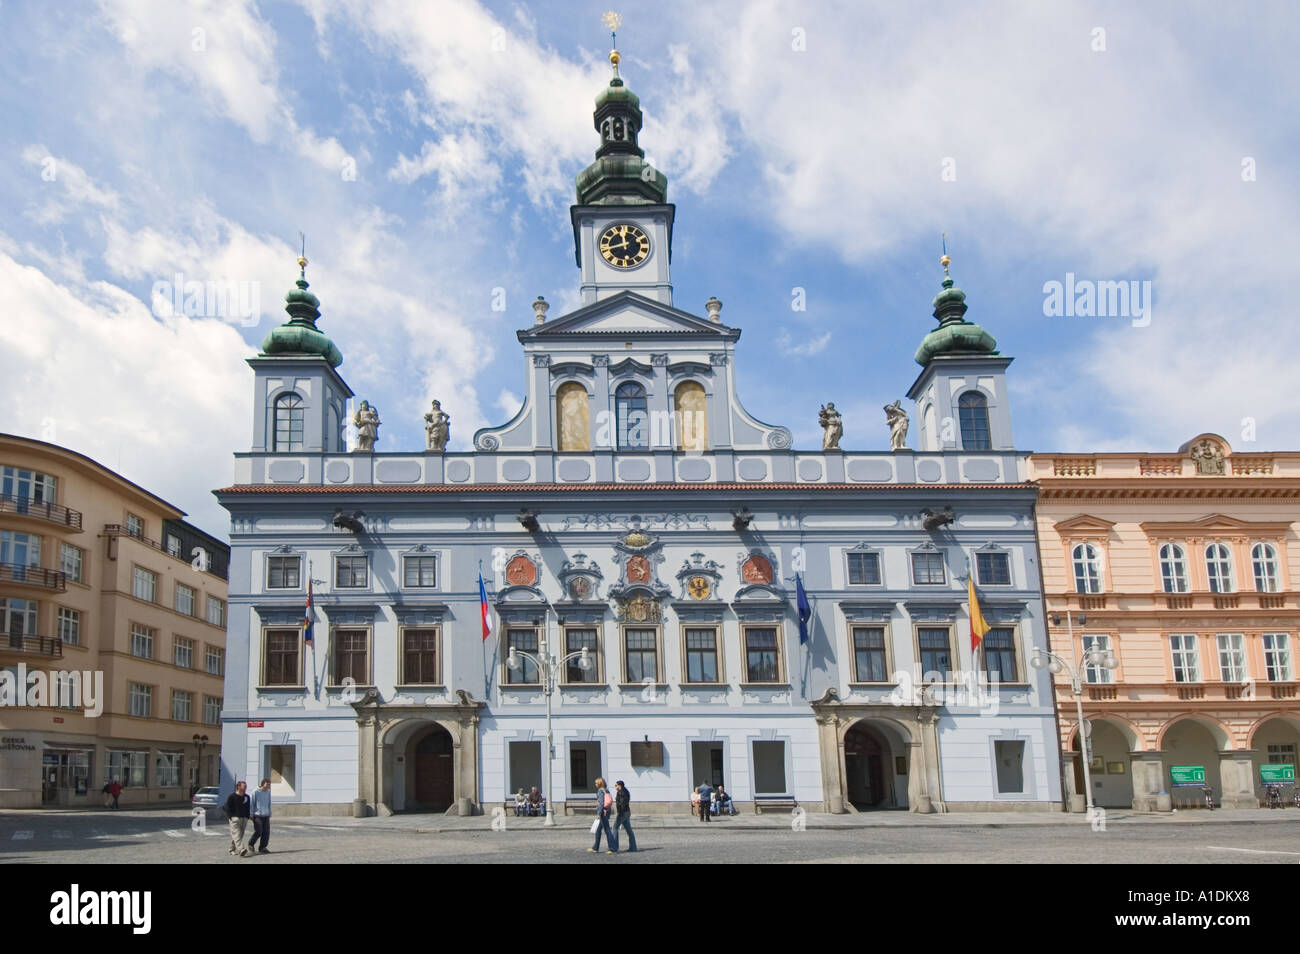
(645, 550)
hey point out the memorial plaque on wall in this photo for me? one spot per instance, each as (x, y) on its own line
(647, 755)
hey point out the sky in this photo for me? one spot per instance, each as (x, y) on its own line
(816, 153)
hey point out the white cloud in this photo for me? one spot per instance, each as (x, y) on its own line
(807, 348)
(62, 186)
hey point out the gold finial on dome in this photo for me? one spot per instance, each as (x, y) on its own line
(945, 260)
(302, 256)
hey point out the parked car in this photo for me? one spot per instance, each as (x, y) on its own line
(206, 798)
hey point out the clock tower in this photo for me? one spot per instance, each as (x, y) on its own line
(622, 222)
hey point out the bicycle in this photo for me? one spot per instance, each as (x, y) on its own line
(1272, 797)
(1295, 795)
(1209, 797)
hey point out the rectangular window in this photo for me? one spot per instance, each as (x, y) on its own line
(1232, 657)
(282, 762)
(927, 568)
(26, 487)
(128, 768)
(282, 572)
(523, 641)
(869, 654)
(994, 569)
(640, 652)
(134, 525)
(864, 569)
(216, 661)
(69, 626)
(769, 768)
(141, 641)
(72, 562)
(702, 654)
(351, 656)
(20, 549)
(182, 702)
(420, 571)
(575, 641)
(173, 545)
(1098, 675)
(17, 620)
(185, 602)
(936, 654)
(999, 648)
(1010, 757)
(350, 572)
(170, 769)
(1187, 663)
(183, 652)
(282, 657)
(762, 655)
(144, 584)
(141, 697)
(211, 710)
(216, 611)
(1277, 656)
(420, 657)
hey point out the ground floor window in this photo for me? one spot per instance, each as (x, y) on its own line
(129, 768)
(170, 768)
(1010, 758)
(525, 767)
(769, 768)
(584, 767)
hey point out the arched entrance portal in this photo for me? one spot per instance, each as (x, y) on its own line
(870, 768)
(432, 777)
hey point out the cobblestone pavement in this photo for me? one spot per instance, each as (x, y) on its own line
(169, 837)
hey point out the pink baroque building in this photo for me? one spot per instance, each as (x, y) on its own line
(1186, 567)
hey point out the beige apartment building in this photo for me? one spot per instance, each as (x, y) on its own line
(1186, 566)
(112, 636)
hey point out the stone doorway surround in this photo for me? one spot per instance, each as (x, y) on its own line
(916, 723)
(377, 724)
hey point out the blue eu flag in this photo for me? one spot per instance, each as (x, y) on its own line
(805, 611)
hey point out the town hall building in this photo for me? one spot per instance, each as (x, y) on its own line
(642, 540)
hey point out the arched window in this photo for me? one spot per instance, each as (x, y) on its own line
(692, 418)
(289, 413)
(1263, 559)
(1173, 568)
(973, 410)
(1087, 569)
(630, 413)
(1218, 567)
(571, 417)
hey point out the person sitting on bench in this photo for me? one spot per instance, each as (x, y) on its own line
(722, 803)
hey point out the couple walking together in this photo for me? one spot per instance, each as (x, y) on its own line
(620, 803)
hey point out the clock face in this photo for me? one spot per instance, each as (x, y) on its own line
(624, 246)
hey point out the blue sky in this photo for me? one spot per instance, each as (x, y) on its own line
(805, 145)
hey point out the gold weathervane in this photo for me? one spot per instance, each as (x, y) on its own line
(613, 21)
(302, 256)
(945, 260)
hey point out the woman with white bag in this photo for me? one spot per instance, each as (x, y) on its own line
(604, 804)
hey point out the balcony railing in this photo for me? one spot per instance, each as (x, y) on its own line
(64, 516)
(1141, 601)
(1215, 692)
(33, 576)
(34, 645)
(113, 530)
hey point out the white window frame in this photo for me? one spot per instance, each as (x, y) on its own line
(182, 702)
(183, 646)
(193, 599)
(212, 710)
(140, 695)
(1173, 568)
(1185, 647)
(144, 580)
(1094, 674)
(1085, 560)
(170, 770)
(72, 561)
(1218, 568)
(144, 636)
(217, 654)
(68, 623)
(1232, 657)
(215, 602)
(1264, 568)
(1277, 657)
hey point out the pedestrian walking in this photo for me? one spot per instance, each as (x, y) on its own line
(706, 799)
(604, 803)
(623, 814)
(261, 807)
(107, 790)
(115, 790)
(238, 810)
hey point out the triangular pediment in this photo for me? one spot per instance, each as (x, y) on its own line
(1220, 523)
(628, 314)
(1084, 523)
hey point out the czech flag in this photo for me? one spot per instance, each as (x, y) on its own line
(307, 620)
(805, 611)
(484, 610)
(978, 627)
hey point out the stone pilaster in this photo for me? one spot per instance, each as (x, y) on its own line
(1236, 775)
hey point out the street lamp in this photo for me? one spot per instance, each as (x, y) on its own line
(199, 742)
(547, 667)
(1054, 663)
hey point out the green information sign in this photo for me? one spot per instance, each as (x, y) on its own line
(1187, 774)
(1280, 774)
